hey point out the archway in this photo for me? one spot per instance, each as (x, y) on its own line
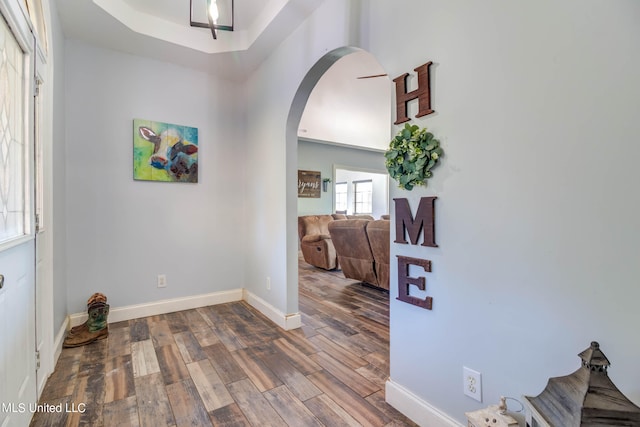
(298, 106)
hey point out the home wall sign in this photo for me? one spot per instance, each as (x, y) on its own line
(406, 223)
(422, 93)
(404, 281)
(424, 220)
(413, 152)
(309, 184)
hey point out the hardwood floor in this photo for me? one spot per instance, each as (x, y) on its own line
(227, 365)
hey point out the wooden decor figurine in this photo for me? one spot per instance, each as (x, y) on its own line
(587, 397)
(493, 416)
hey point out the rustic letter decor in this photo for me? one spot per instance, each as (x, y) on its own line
(423, 93)
(423, 220)
(404, 281)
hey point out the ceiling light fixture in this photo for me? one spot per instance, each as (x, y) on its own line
(213, 15)
(213, 11)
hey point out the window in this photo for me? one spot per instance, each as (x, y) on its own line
(378, 182)
(363, 201)
(341, 196)
(13, 146)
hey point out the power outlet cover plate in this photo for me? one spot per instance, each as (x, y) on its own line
(162, 281)
(472, 382)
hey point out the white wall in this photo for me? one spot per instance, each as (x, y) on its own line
(536, 216)
(58, 216)
(272, 148)
(536, 106)
(122, 233)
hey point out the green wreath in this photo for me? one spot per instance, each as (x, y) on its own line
(411, 156)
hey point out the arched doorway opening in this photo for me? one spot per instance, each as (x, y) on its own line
(340, 118)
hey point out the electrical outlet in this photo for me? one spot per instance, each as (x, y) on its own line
(268, 283)
(162, 281)
(472, 383)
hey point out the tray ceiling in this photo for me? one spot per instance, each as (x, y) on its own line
(160, 29)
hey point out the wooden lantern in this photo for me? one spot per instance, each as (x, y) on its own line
(586, 398)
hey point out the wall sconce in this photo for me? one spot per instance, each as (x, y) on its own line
(207, 13)
(325, 184)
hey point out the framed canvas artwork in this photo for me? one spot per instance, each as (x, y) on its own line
(164, 152)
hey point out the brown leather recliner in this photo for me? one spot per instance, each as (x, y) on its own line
(379, 239)
(350, 239)
(315, 241)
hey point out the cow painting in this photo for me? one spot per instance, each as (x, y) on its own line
(164, 152)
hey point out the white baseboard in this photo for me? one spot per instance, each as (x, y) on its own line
(285, 321)
(119, 314)
(418, 410)
(58, 340)
(57, 350)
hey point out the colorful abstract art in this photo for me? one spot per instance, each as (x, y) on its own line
(164, 152)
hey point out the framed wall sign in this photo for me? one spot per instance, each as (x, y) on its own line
(309, 183)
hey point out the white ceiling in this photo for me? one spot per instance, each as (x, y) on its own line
(160, 29)
(343, 109)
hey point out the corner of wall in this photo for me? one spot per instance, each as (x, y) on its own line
(419, 411)
(285, 321)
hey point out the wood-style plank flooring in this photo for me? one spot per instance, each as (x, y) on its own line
(227, 365)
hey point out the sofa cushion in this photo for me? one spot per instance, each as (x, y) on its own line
(379, 239)
(350, 240)
(315, 238)
(369, 217)
(313, 224)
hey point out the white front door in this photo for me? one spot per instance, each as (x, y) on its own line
(17, 245)
(17, 336)
(44, 245)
